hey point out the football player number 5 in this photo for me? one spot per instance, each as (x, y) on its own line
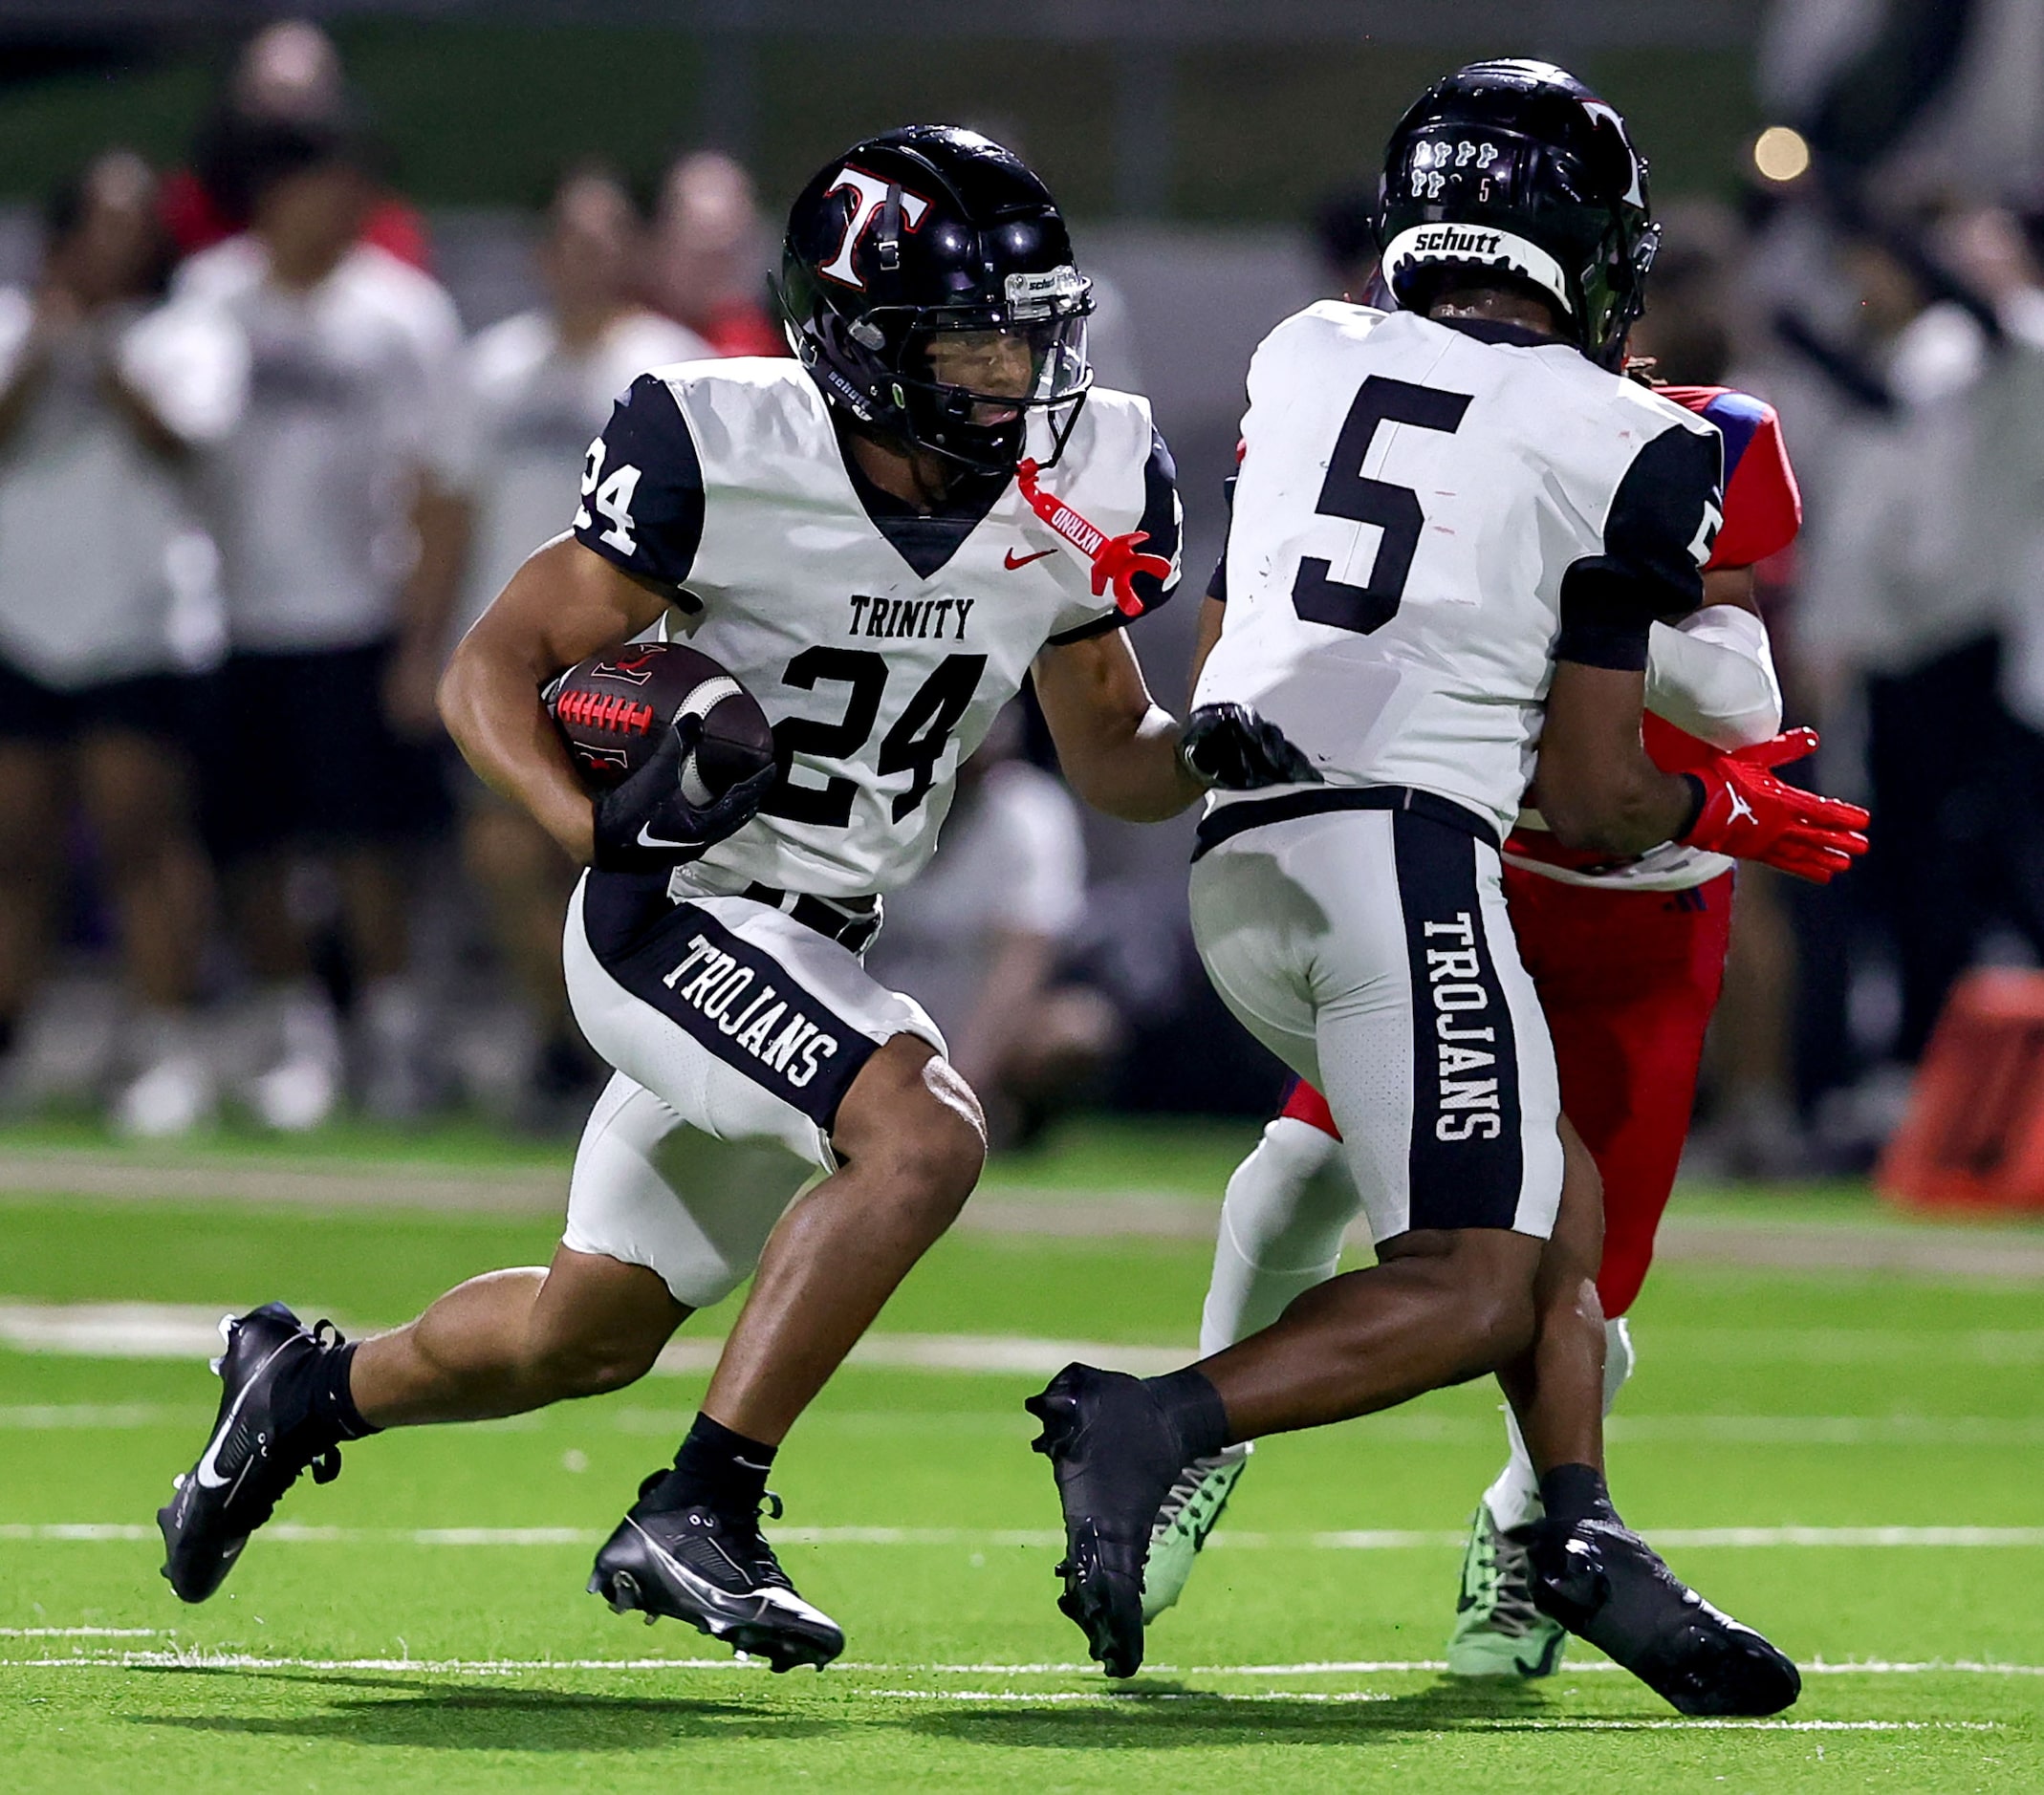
(1317, 594)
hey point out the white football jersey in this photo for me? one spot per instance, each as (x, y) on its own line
(1425, 515)
(879, 642)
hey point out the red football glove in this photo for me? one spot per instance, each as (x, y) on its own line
(1753, 815)
(1677, 752)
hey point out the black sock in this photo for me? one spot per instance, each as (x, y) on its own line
(1192, 1405)
(1575, 1492)
(333, 1402)
(718, 1468)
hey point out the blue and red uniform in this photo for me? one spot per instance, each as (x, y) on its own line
(1629, 975)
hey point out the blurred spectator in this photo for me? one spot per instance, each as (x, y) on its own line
(105, 394)
(339, 555)
(288, 72)
(1906, 594)
(1750, 1127)
(978, 941)
(1989, 249)
(537, 388)
(707, 266)
(1686, 332)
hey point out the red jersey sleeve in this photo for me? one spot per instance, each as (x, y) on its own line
(1763, 507)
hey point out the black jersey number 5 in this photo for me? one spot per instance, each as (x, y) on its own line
(1317, 595)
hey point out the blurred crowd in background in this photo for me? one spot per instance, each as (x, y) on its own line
(255, 478)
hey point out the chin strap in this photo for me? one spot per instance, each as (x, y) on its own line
(1115, 559)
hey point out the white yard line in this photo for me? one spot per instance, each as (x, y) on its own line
(81, 1632)
(1921, 1248)
(1468, 1724)
(201, 1658)
(187, 1330)
(1883, 1431)
(1361, 1540)
(38, 1416)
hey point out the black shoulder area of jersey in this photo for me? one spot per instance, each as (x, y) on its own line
(643, 488)
(1217, 585)
(1159, 523)
(1665, 509)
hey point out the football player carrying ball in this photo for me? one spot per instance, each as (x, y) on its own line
(878, 540)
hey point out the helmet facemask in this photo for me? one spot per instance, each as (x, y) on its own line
(970, 388)
(964, 382)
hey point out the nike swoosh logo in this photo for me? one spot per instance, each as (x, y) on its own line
(714, 1598)
(1011, 561)
(647, 839)
(208, 1467)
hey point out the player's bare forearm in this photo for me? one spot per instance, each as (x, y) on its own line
(1116, 745)
(1594, 786)
(564, 604)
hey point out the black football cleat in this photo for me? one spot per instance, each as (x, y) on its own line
(264, 1439)
(1604, 1583)
(1116, 1457)
(716, 1571)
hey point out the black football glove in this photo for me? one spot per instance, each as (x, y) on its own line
(644, 825)
(1231, 746)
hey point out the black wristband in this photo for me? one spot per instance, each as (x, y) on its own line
(1618, 646)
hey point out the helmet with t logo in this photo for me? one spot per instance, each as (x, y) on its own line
(929, 286)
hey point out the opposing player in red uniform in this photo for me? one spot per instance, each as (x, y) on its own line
(1628, 958)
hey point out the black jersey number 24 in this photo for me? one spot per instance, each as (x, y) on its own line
(1317, 595)
(913, 745)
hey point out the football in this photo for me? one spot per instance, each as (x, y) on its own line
(610, 709)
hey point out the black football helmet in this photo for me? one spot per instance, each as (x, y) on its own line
(1515, 167)
(922, 231)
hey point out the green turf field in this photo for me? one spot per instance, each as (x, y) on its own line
(1848, 1458)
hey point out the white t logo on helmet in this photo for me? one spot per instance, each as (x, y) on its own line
(869, 193)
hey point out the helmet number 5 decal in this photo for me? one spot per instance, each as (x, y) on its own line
(869, 193)
(611, 495)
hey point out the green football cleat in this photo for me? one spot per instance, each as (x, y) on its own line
(1188, 1515)
(1498, 1630)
